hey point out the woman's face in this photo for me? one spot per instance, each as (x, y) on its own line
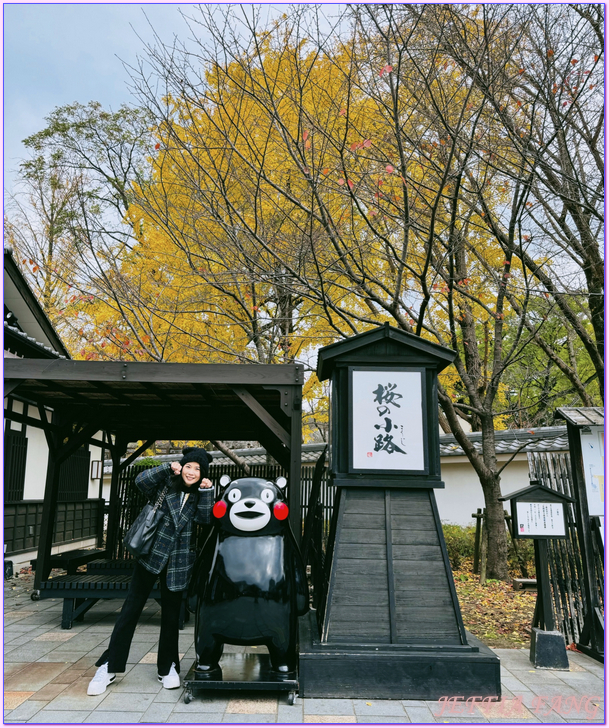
(191, 473)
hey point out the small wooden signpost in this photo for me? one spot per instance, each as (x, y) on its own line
(540, 513)
(391, 624)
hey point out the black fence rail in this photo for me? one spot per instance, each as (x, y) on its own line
(566, 569)
(74, 521)
(133, 500)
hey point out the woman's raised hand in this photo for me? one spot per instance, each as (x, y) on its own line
(176, 467)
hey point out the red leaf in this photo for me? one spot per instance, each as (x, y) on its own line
(341, 181)
(389, 69)
(157, 146)
(550, 53)
(342, 112)
(350, 184)
(367, 143)
(325, 171)
(305, 136)
(574, 61)
(35, 268)
(595, 59)
(389, 169)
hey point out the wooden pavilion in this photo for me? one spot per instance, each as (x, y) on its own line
(132, 401)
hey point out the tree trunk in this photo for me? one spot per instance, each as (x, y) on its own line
(496, 565)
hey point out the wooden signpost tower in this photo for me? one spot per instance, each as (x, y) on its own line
(391, 624)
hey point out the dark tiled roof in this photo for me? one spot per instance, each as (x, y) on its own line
(508, 442)
(31, 340)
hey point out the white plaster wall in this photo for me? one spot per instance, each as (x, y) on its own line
(37, 459)
(463, 492)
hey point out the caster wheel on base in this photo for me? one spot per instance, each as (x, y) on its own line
(291, 698)
(188, 697)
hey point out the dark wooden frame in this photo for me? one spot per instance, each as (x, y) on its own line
(592, 638)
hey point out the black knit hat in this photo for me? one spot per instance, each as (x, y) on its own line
(197, 455)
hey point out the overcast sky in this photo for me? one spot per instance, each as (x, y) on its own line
(58, 54)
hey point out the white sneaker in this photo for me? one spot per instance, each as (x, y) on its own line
(172, 679)
(100, 680)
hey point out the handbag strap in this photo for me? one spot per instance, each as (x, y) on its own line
(159, 500)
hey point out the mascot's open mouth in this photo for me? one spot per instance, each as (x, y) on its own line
(249, 515)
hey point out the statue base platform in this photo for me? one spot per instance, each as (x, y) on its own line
(239, 671)
(395, 671)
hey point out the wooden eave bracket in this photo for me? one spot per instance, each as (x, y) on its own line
(263, 415)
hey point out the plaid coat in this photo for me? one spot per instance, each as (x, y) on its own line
(171, 546)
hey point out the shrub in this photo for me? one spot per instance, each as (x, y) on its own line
(148, 462)
(459, 543)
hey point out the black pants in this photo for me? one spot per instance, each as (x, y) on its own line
(122, 635)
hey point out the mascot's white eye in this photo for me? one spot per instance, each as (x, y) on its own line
(267, 496)
(234, 495)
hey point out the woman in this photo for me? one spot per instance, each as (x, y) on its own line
(189, 498)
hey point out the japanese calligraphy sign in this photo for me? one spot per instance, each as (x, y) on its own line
(540, 519)
(387, 420)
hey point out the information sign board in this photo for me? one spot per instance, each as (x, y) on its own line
(540, 519)
(593, 453)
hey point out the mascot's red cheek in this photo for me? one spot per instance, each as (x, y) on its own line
(219, 509)
(281, 511)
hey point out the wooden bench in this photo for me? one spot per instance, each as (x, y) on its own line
(526, 584)
(71, 560)
(81, 591)
(111, 567)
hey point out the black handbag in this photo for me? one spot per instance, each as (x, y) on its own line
(138, 539)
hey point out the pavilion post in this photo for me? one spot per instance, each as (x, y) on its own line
(49, 509)
(59, 451)
(294, 495)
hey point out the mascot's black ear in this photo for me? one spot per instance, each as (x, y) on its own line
(186, 450)
(209, 457)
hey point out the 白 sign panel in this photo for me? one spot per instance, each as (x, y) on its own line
(593, 453)
(387, 424)
(540, 519)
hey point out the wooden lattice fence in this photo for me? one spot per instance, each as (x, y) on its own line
(566, 570)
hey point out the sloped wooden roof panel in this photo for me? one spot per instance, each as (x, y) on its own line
(582, 416)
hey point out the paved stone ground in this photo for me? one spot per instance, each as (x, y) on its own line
(47, 670)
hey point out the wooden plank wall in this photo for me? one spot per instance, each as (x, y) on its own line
(396, 592)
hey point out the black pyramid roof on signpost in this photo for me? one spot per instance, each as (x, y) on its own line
(327, 356)
(537, 489)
